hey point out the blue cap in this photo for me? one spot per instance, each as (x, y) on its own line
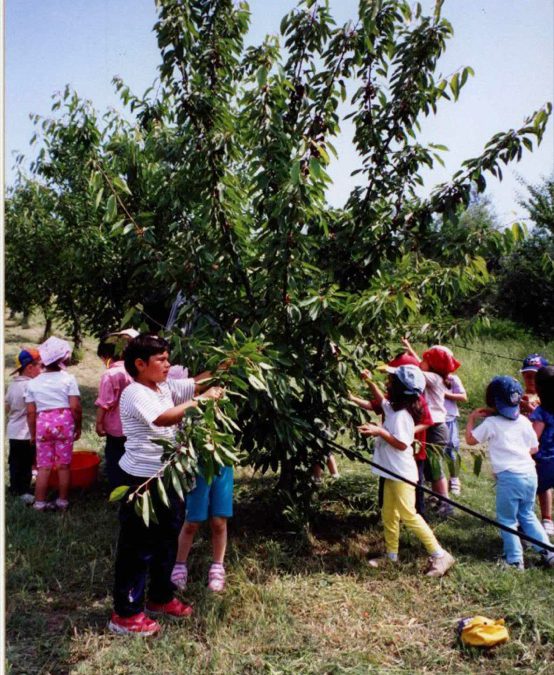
(506, 393)
(533, 362)
(411, 377)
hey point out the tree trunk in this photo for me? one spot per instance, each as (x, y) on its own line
(47, 329)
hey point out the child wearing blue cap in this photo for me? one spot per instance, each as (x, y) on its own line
(511, 442)
(22, 451)
(394, 451)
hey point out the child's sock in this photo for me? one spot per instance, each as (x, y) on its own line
(179, 575)
(438, 554)
(393, 556)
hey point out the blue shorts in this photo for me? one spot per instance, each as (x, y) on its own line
(545, 474)
(211, 501)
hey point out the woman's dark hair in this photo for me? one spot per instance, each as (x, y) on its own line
(143, 347)
(545, 387)
(106, 350)
(401, 401)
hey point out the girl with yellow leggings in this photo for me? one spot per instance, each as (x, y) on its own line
(394, 451)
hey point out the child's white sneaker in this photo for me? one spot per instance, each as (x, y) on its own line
(438, 565)
(454, 486)
(548, 526)
(216, 577)
(27, 498)
(179, 575)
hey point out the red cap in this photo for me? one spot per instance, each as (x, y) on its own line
(441, 360)
(404, 360)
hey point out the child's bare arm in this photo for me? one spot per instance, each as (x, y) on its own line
(77, 412)
(203, 379)
(100, 414)
(376, 430)
(174, 415)
(362, 402)
(409, 348)
(474, 415)
(539, 428)
(32, 420)
(455, 397)
(377, 394)
(533, 451)
(421, 427)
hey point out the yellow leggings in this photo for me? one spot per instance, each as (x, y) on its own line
(399, 505)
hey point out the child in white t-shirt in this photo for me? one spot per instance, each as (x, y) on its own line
(511, 442)
(54, 415)
(437, 364)
(394, 451)
(22, 451)
(150, 409)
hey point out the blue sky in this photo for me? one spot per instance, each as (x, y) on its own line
(509, 43)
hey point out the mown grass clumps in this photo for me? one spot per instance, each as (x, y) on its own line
(294, 603)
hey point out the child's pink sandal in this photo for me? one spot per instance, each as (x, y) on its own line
(216, 578)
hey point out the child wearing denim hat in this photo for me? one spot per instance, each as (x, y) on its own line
(22, 451)
(511, 441)
(542, 419)
(394, 451)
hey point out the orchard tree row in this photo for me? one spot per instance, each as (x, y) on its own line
(213, 188)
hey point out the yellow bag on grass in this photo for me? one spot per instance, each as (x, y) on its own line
(478, 631)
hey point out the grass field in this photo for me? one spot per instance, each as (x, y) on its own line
(293, 604)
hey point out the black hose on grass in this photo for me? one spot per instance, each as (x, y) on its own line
(442, 498)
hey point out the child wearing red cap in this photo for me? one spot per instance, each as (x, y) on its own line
(437, 363)
(22, 452)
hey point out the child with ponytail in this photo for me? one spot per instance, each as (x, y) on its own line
(394, 451)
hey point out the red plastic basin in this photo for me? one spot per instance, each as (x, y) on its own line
(83, 470)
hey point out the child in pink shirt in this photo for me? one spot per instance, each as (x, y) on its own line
(112, 384)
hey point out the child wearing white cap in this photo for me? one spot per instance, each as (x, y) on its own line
(54, 417)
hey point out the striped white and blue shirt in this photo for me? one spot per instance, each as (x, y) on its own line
(139, 406)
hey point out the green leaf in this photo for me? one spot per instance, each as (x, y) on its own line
(455, 85)
(145, 508)
(121, 184)
(176, 484)
(98, 199)
(162, 492)
(118, 493)
(111, 208)
(295, 172)
(315, 168)
(256, 383)
(261, 76)
(129, 314)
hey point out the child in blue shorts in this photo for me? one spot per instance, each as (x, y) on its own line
(214, 501)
